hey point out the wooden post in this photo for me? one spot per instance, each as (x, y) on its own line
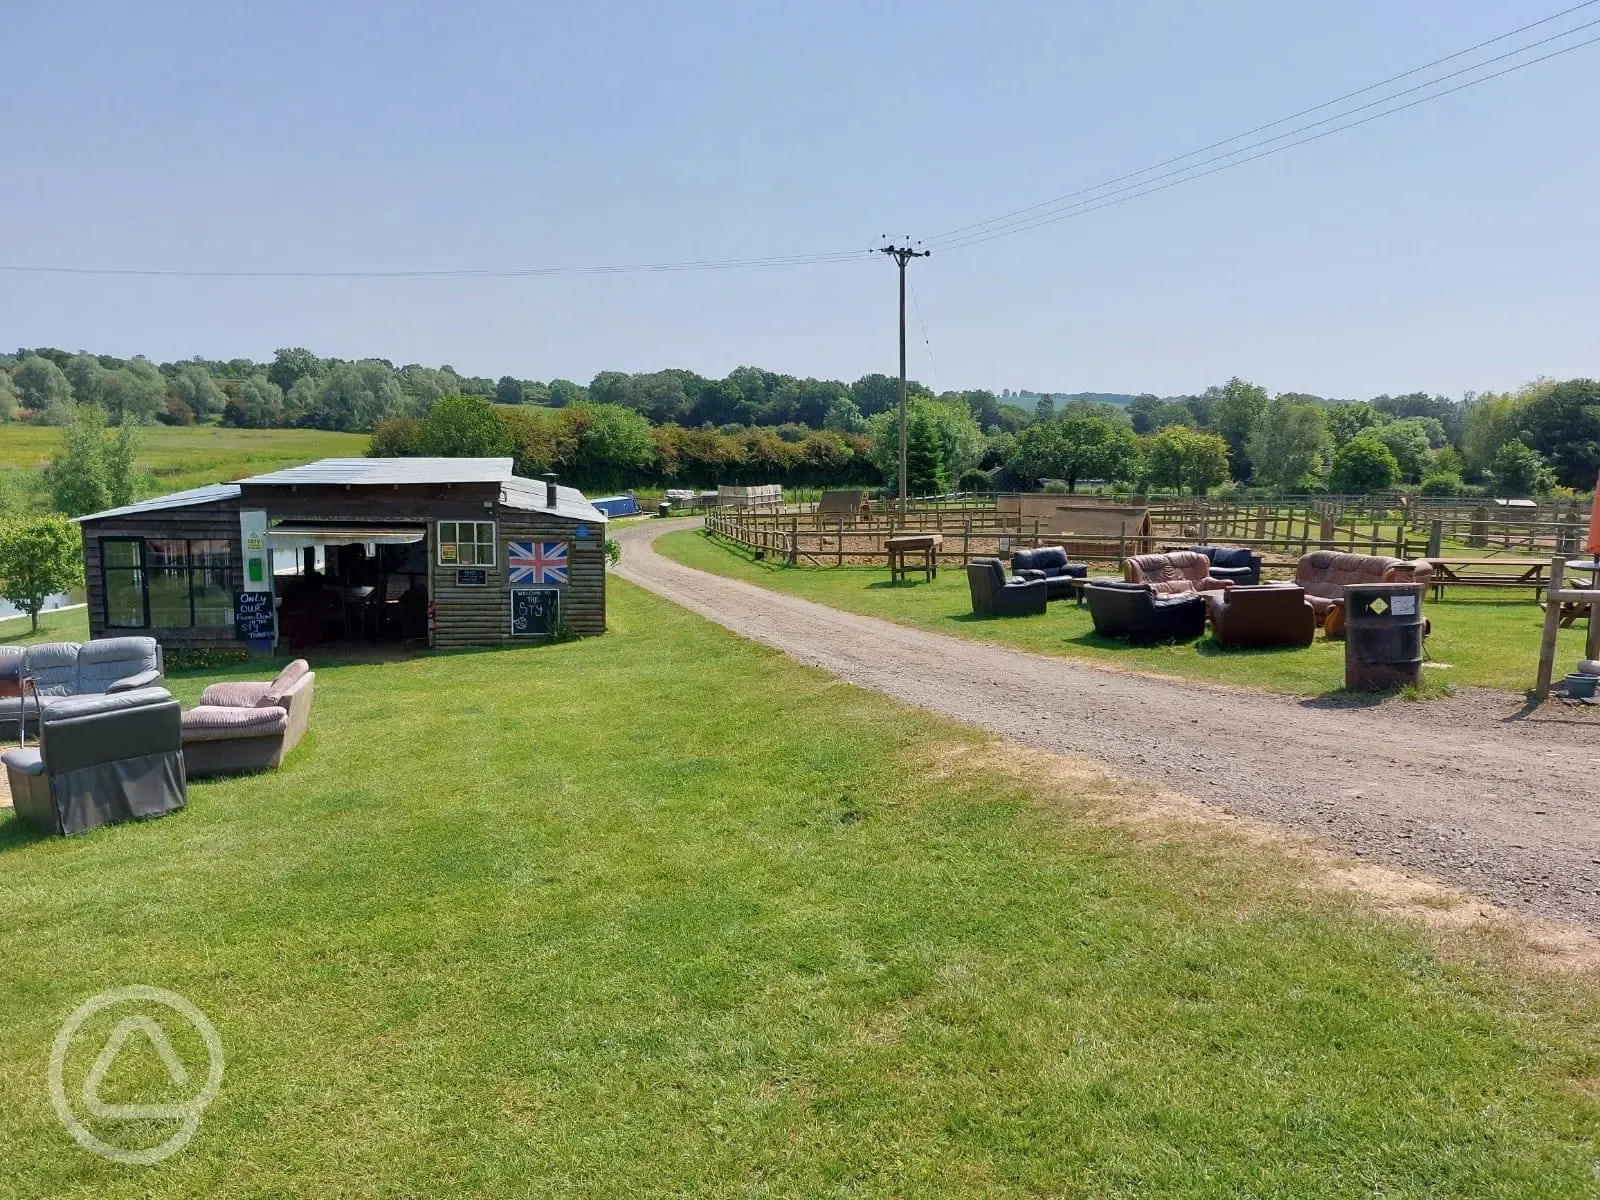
(794, 540)
(1552, 626)
(966, 538)
(1435, 537)
(1122, 546)
(840, 559)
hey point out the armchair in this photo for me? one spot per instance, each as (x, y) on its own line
(248, 726)
(1134, 612)
(993, 595)
(101, 759)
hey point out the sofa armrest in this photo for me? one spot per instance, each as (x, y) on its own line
(234, 695)
(150, 678)
(1212, 584)
(1031, 573)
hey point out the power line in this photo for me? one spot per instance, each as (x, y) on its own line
(1189, 174)
(728, 264)
(926, 340)
(961, 233)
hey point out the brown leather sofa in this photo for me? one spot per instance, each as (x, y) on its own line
(1324, 574)
(1249, 616)
(1172, 574)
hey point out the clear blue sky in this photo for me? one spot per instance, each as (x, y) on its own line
(1451, 247)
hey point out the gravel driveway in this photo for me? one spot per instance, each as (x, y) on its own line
(1470, 789)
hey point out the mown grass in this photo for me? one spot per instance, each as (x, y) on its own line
(1484, 637)
(179, 457)
(665, 913)
(56, 625)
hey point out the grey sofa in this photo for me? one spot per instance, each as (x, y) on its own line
(993, 595)
(248, 726)
(101, 759)
(51, 671)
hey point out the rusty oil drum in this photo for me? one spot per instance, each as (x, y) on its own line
(1383, 636)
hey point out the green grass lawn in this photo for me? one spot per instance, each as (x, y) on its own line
(57, 625)
(623, 917)
(187, 456)
(1488, 638)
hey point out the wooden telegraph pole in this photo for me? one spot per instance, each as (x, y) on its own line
(902, 255)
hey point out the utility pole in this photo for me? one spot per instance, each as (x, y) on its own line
(902, 255)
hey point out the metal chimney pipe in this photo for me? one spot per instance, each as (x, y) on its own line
(549, 478)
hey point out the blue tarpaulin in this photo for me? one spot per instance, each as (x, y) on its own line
(617, 506)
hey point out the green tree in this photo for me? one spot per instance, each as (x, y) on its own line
(1184, 459)
(1144, 412)
(464, 427)
(394, 437)
(1520, 471)
(1288, 443)
(509, 390)
(1349, 420)
(77, 472)
(292, 364)
(1363, 465)
(926, 474)
(1561, 420)
(137, 389)
(614, 446)
(193, 385)
(1073, 447)
(1488, 421)
(121, 474)
(1045, 409)
(1236, 408)
(356, 396)
(1408, 441)
(86, 375)
(254, 403)
(39, 556)
(844, 417)
(43, 387)
(8, 397)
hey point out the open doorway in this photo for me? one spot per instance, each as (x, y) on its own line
(369, 589)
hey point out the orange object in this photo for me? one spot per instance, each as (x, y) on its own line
(1593, 546)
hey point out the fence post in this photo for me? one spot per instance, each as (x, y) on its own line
(1478, 529)
(1122, 543)
(966, 538)
(1435, 537)
(840, 560)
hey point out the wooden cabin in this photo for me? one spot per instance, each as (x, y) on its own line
(441, 552)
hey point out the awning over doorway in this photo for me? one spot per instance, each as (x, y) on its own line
(327, 533)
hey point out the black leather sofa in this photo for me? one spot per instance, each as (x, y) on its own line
(993, 595)
(1134, 613)
(1050, 564)
(1234, 563)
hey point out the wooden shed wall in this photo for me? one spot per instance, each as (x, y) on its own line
(481, 616)
(215, 521)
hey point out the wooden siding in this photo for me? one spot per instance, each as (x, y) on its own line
(481, 616)
(401, 503)
(216, 521)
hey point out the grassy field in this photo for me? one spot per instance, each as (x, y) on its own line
(180, 457)
(621, 917)
(1484, 638)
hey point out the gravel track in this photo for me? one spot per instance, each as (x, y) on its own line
(1471, 789)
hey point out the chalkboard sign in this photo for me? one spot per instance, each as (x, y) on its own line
(533, 613)
(472, 577)
(252, 616)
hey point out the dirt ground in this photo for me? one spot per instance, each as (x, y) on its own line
(1473, 789)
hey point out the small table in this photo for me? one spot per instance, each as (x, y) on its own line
(1080, 589)
(900, 548)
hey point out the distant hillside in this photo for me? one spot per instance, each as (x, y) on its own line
(1030, 400)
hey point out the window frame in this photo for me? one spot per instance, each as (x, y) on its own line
(143, 570)
(439, 543)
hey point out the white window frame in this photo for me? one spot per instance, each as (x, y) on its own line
(440, 543)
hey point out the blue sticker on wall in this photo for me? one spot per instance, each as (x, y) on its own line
(581, 531)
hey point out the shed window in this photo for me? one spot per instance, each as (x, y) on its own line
(167, 583)
(466, 543)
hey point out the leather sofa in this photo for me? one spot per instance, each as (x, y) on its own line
(51, 671)
(1324, 574)
(1173, 573)
(993, 595)
(1135, 612)
(1249, 617)
(1236, 564)
(101, 759)
(248, 726)
(1050, 564)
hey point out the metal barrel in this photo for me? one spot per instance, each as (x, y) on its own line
(1383, 636)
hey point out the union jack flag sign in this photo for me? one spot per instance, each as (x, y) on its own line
(537, 562)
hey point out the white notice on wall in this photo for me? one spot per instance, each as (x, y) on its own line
(1405, 606)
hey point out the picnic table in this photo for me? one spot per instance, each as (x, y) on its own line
(902, 547)
(1533, 573)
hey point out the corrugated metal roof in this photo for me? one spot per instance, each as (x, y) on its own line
(378, 471)
(201, 495)
(532, 494)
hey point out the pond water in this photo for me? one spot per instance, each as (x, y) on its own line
(59, 600)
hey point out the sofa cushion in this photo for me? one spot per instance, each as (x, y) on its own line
(53, 667)
(101, 663)
(214, 723)
(1230, 556)
(286, 679)
(1049, 559)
